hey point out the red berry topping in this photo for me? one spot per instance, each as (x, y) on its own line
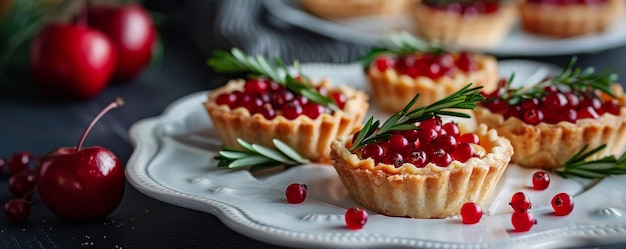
(446, 142)
(469, 138)
(419, 158)
(563, 204)
(451, 129)
(373, 151)
(355, 218)
(471, 213)
(296, 193)
(522, 221)
(463, 152)
(520, 202)
(541, 180)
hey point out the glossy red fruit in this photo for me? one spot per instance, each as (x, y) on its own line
(81, 184)
(563, 204)
(541, 180)
(132, 33)
(23, 184)
(522, 221)
(18, 162)
(17, 210)
(471, 213)
(520, 202)
(355, 218)
(296, 193)
(71, 60)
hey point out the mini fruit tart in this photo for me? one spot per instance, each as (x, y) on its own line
(549, 122)
(333, 9)
(408, 67)
(467, 24)
(415, 166)
(575, 17)
(303, 115)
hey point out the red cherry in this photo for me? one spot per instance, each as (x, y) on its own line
(522, 221)
(2, 164)
(355, 218)
(541, 180)
(296, 193)
(18, 162)
(563, 204)
(471, 213)
(132, 33)
(520, 202)
(71, 60)
(17, 210)
(81, 184)
(23, 183)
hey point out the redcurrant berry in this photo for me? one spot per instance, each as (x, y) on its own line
(355, 218)
(471, 213)
(563, 204)
(17, 210)
(296, 193)
(522, 221)
(520, 202)
(541, 180)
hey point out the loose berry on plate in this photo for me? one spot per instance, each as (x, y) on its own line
(296, 193)
(520, 202)
(471, 213)
(541, 180)
(355, 218)
(522, 221)
(563, 204)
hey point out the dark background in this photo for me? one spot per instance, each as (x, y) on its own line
(191, 31)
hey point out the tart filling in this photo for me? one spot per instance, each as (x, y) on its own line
(423, 192)
(310, 137)
(392, 89)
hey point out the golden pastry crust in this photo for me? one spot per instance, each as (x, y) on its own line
(310, 137)
(571, 20)
(392, 91)
(334, 9)
(429, 192)
(549, 146)
(475, 31)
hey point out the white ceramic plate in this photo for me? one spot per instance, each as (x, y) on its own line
(370, 31)
(172, 162)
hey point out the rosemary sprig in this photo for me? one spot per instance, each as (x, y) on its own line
(399, 44)
(372, 132)
(584, 81)
(237, 61)
(600, 168)
(257, 157)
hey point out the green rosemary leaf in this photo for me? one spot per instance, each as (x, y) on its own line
(245, 145)
(258, 156)
(270, 153)
(579, 166)
(399, 44)
(249, 161)
(233, 154)
(289, 152)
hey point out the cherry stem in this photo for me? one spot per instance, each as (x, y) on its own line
(117, 103)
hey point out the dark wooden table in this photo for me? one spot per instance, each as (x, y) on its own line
(190, 33)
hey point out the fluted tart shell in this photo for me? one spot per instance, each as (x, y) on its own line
(549, 146)
(342, 9)
(310, 137)
(466, 31)
(392, 90)
(570, 20)
(429, 192)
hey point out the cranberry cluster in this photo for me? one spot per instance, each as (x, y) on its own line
(568, 2)
(432, 142)
(431, 65)
(271, 99)
(22, 184)
(553, 106)
(467, 9)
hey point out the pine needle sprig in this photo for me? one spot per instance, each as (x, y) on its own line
(237, 61)
(372, 132)
(399, 44)
(580, 80)
(578, 166)
(256, 157)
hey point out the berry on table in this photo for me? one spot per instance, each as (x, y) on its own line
(520, 202)
(563, 204)
(17, 210)
(541, 180)
(18, 162)
(471, 213)
(522, 221)
(23, 183)
(296, 193)
(355, 218)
